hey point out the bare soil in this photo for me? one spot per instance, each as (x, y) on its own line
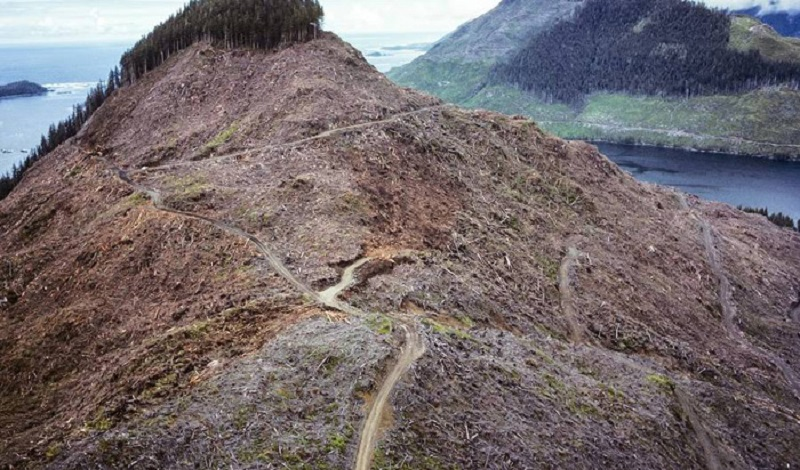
(174, 316)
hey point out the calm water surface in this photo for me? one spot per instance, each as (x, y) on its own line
(732, 179)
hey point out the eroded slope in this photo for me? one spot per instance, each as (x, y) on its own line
(180, 314)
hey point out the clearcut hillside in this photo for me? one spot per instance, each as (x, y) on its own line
(280, 259)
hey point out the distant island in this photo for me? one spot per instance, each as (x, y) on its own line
(23, 88)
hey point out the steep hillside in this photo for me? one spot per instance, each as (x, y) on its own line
(748, 33)
(456, 67)
(711, 82)
(254, 259)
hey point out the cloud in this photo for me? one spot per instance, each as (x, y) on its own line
(75, 21)
(72, 21)
(43, 21)
(767, 5)
(375, 16)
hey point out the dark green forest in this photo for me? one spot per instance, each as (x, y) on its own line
(255, 24)
(653, 47)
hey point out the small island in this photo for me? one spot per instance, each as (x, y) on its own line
(23, 88)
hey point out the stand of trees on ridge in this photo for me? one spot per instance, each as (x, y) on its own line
(256, 24)
(653, 47)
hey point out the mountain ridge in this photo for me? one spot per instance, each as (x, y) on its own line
(166, 270)
(787, 22)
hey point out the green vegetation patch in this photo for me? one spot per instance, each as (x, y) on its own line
(221, 139)
(447, 331)
(452, 81)
(748, 33)
(661, 381)
(380, 324)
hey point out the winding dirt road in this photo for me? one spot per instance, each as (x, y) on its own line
(330, 295)
(413, 349)
(725, 292)
(711, 449)
(322, 135)
(726, 301)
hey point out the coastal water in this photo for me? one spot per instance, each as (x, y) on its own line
(70, 72)
(731, 179)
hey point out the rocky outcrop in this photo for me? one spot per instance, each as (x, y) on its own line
(21, 89)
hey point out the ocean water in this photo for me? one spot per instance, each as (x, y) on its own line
(386, 51)
(70, 71)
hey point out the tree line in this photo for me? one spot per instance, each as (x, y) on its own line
(778, 218)
(257, 24)
(652, 47)
(59, 133)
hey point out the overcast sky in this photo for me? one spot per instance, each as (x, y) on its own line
(49, 21)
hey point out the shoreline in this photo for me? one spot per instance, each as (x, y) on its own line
(771, 158)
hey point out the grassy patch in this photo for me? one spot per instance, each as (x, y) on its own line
(352, 203)
(380, 324)
(337, 442)
(221, 139)
(661, 381)
(53, 451)
(188, 188)
(100, 422)
(445, 330)
(452, 81)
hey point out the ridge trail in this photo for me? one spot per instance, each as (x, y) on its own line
(322, 135)
(413, 348)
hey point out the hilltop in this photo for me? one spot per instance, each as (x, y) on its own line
(23, 88)
(786, 22)
(279, 259)
(656, 72)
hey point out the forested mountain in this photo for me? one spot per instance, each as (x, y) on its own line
(254, 24)
(650, 47)
(657, 72)
(786, 23)
(457, 65)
